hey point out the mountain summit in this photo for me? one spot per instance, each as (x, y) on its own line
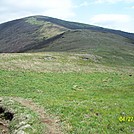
(42, 33)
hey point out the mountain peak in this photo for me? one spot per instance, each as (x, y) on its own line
(44, 33)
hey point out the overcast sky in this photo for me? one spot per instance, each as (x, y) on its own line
(115, 14)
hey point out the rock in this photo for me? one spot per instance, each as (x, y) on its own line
(49, 58)
(20, 132)
(25, 126)
(0, 99)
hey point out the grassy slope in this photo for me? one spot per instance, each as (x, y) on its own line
(87, 97)
(75, 25)
(87, 91)
(42, 32)
(112, 48)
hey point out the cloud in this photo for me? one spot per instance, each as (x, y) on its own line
(114, 21)
(11, 9)
(83, 4)
(113, 1)
(40, 4)
(111, 18)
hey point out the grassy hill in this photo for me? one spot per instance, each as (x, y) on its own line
(41, 32)
(59, 77)
(111, 49)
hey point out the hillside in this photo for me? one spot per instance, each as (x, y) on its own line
(59, 77)
(41, 34)
(51, 34)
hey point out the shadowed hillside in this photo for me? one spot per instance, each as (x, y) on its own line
(41, 33)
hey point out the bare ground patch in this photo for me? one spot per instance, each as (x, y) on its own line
(51, 124)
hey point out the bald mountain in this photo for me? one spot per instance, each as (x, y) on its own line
(41, 33)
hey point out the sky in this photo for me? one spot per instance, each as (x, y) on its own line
(114, 14)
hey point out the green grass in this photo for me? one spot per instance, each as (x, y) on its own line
(112, 49)
(22, 117)
(65, 62)
(84, 102)
(47, 29)
(34, 21)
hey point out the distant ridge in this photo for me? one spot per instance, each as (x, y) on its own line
(76, 25)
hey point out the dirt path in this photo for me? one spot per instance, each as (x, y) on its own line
(51, 124)
(3, 127)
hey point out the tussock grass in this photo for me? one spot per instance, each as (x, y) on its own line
(59, 62)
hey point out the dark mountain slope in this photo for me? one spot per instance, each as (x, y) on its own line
(22, 34)
(15, 35)
(41, 33)
(86, 40)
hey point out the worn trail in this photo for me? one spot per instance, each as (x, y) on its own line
(52, 126)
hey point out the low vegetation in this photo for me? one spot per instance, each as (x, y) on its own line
(72, 79)
(77, 92)
(30, 33)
